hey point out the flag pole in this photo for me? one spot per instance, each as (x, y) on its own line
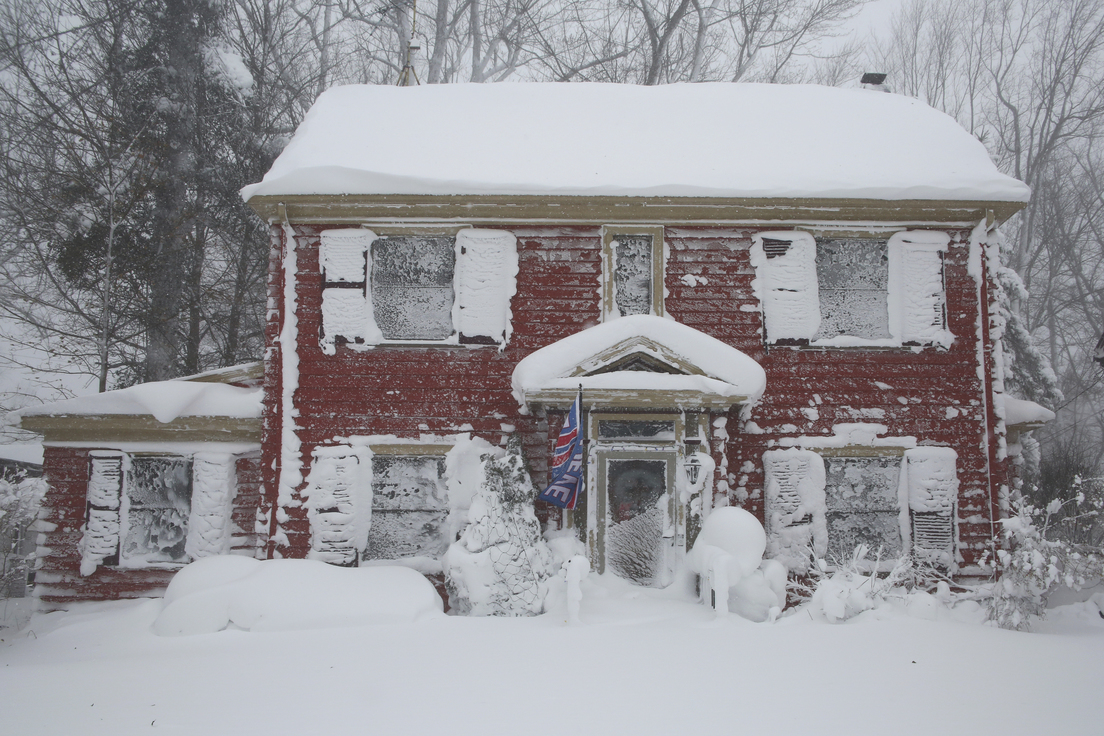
(586, 454)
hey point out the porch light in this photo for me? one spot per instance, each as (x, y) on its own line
(693, 468)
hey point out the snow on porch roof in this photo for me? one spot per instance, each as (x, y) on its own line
(708, 366)
(679, 140)
(192, 396)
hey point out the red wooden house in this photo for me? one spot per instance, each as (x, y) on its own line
(777, 297)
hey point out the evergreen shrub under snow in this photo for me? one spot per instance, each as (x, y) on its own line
(501, 565)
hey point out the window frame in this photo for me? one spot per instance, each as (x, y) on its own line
(120, 511)
(401, 450)
(900, 245)
(659, 267)
(907, 513)
(371, 336)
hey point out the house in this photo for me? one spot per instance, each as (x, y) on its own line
(772, 296)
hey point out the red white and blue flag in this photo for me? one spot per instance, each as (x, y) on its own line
(567, 461)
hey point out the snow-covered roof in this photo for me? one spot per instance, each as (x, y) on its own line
(164, 400)
(679, 140)
(1022, 412)
(590, 359)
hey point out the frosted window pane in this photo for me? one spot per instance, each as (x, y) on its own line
(412, 292)
(635, 533)
(632, 277)
(409, 507)
(642, 429)
(862, 483)
(863, 505)
(160, 495)
(853, 280)
(413, 313)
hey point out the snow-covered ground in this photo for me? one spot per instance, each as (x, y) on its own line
(640, 661)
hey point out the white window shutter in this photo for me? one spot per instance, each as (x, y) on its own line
(343, 257)
(786, 284)
(918, 300)
(214, 485)
(486, 281)
(339, 504)
(932, 480)
(795, 507)
(100, 543)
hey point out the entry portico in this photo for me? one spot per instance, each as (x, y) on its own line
(650, 387)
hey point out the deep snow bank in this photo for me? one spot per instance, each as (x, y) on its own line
(217, 593)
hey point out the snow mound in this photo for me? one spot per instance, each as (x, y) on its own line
(218, 593)
(728, 554)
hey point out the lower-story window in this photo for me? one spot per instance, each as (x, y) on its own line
(863, 505)
(377, 503)
(827, 506)
(409, 507)
(156, 510)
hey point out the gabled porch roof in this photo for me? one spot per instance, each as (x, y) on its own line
(639, 362)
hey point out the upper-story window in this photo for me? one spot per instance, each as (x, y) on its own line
(632, 270)
(852, 291)
(416, 287)
(412, 286)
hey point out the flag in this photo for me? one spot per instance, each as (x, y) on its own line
(567, 461)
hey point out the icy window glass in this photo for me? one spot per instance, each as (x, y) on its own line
(632, 278)
(863, 505)
(409, 507)
(637, 488)
(412, 292)
(853, 280)
(159, 491)
(636, 429)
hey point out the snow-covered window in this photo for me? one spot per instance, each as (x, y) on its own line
(863, 505)
(412, 286)
(416, 287)
(409, 507)
(853, 282)
(852, 291)
(632, 270)
(830, 505)
(154, 511)
(158, 502)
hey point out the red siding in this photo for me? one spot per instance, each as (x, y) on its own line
(411, 391)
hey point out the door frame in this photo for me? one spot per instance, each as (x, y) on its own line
(691, 431)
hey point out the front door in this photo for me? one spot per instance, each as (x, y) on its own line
(636, 488)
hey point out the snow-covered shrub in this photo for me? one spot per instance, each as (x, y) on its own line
(728, 555)
(20, 499)
(1036, 560)
(501, 565)
(855, 585)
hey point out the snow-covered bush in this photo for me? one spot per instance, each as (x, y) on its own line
(501, 565)
(1036, 560)
(728, 555)
(855, 585)
(20, 499)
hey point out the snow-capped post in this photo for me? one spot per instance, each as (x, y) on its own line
(501, 564)
(575, 570)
